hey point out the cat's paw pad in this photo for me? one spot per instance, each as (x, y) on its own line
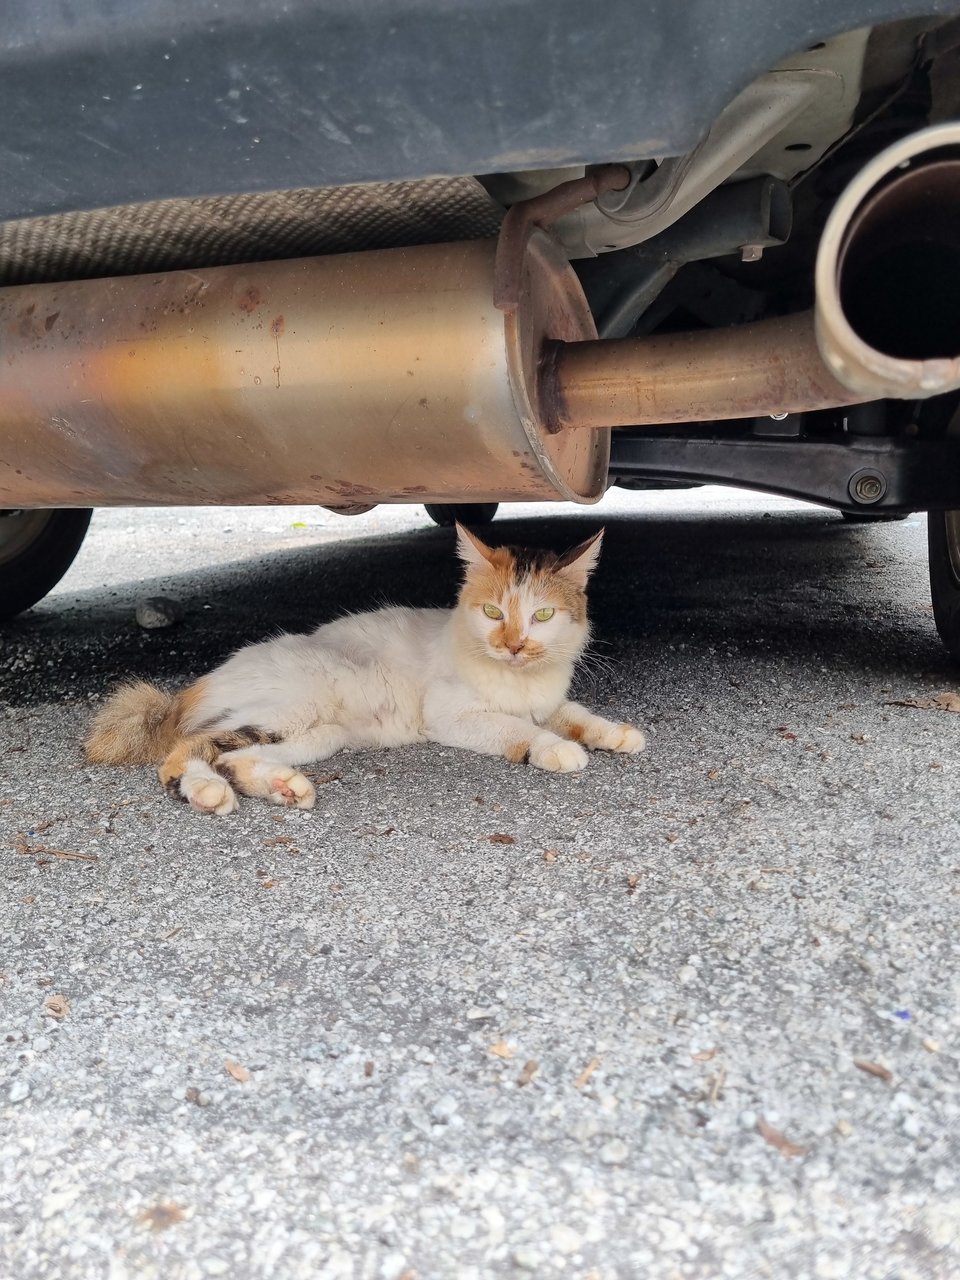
(624, 738)
(559, 757)
(212, 796)
(289, 787)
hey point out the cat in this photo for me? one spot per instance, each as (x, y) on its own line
(490, 675)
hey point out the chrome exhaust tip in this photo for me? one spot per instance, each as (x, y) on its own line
(888, 272)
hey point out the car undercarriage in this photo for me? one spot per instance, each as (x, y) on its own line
(474, 254)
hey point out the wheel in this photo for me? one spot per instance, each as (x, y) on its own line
(874, 517)
(943, 543)
(36, 550)
(448, 513)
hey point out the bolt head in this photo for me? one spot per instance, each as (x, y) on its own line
(867, 487)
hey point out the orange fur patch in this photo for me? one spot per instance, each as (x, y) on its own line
(198, 747)
(491, 585)
(568, 728)
(241, 773)
(187, 700)
(209, 747)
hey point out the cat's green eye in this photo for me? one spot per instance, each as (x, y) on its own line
(492, 611)
(544, 615)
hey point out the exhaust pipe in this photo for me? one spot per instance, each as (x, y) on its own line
(886, 322)
(888, 272)
(393, 375)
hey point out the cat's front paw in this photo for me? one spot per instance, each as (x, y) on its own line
(624, 738)
(558, 756)
(289, 787)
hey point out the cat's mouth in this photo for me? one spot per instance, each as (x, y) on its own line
(515, 660)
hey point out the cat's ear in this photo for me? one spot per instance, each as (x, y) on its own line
(578, 564)
(473, 552)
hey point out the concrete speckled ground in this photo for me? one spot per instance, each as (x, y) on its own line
(622, 1045)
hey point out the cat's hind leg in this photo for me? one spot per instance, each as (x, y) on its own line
(188, 773)
(268, 771)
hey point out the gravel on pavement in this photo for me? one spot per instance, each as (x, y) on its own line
(692, 1014)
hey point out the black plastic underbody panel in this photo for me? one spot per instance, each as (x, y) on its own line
(113, 101)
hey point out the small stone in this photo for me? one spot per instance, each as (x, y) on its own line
(476, 1014)
(827, 1267)
(672, 1236)
(315, 1052)
(844, 1128)
(444, 1108)
(18, 1091)
(393, 1266)
(911, 1126)
(157, 612)
(614, 1152)
(40, 1044)
(687, 973)
(939, 1223)
(526, 1259)
(55, 1202)
(564, 1238)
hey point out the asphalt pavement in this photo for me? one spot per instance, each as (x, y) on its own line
(691, 1014)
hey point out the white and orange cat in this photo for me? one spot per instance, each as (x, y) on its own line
(490, 675)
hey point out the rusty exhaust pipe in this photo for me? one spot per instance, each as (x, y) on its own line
(886, 322)
(772, 366)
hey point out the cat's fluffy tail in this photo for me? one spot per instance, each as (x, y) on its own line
(138, 725)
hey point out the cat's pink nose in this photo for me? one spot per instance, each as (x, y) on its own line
(515, 648)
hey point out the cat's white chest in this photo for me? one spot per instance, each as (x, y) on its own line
(523, 694)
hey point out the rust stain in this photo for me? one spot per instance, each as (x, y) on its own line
(249, 301)
(344, 489)
(25, 326)
(51, 320)
(277, 326)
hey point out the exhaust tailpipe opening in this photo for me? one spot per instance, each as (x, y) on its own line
(899, 268)
(888, 272)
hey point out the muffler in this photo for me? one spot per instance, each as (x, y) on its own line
(385, 376)
(467, 372)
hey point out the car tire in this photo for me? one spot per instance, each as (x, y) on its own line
(943, 546)
(37, 547)
(447, 514)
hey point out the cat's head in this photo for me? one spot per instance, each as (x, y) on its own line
(525, 608)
